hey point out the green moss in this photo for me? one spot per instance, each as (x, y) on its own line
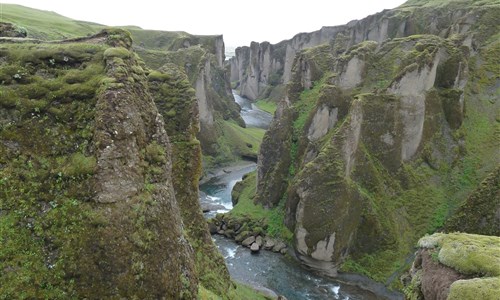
(477, 288)
(469, 254)
(247, 208)
(79, 165)
(158, 76)
(267, 106)
(155, 153)
(118, 52)
(8, 99)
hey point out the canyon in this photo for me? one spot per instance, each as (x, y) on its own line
(380, 162)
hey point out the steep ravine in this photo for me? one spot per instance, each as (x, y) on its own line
(384, 127)
(283, 275)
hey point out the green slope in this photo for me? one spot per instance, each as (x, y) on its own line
(46, 25)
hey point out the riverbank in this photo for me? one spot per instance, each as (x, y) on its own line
(220, 171)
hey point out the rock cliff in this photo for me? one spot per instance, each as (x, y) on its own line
(455, 266)
(202, 59)
(382, 132)
(92, 202)
(262, 66)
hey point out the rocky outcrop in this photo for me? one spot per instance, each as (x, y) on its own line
(369, 142)
(11, 30)
(247, 232)
(202, 59)
(480, 213)
(173, 93)
(455, 266)
(99, 153)
(253, 67)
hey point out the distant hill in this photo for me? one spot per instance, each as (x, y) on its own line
(47, 25)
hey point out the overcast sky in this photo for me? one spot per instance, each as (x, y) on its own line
(239, 21)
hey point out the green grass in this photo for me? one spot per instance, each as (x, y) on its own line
(239, 292)
(46, 25)
(236, 142)
(477, 288)
(246, 208)
(267, 106)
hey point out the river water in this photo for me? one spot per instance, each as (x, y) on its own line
(269, 270)
(251, 114)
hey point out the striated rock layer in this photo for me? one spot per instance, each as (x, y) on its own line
(380, 135)
(263, 65)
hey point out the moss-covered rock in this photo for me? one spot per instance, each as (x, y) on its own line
(479, 213)
(456, 266)
(87, 186)
(171, 90)
(383, 137)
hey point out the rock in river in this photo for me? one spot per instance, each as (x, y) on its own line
(248, 241)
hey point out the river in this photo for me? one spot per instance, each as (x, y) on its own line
(273, 271)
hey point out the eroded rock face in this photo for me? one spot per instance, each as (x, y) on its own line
(369, 133)
(324, 119)
(106, 188)
(252, 66)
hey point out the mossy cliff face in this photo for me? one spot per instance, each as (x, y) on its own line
(176, 101)
(201, 58)
(376, 145)
(259, 68)
(88, 199)
(455, 266)
(485, 204)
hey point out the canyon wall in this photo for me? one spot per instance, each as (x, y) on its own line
(99, 168)
(382, 134)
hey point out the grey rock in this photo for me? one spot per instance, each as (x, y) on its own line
(212, 228)
(229, 233)
(248, 241)
(255, 247)
(269, 243)
(279, 245)
(258, 241)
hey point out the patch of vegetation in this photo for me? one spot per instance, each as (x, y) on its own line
(238, 291)
(46, 175)
(247, 208)
(477, 288)
(236, 142)
(47, 25)
(470, 254)
(267, 106)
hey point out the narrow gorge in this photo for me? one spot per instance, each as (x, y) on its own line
(145, 164)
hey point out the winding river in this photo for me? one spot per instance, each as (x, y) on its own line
(266, 269)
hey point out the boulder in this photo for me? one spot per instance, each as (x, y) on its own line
(269, 243)
(242, 236)
(212, 228)
(258, 241)
(255, 247)
(249, 241)
(279, 245)
(229, 233)
(221, 232)
(11, 30)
